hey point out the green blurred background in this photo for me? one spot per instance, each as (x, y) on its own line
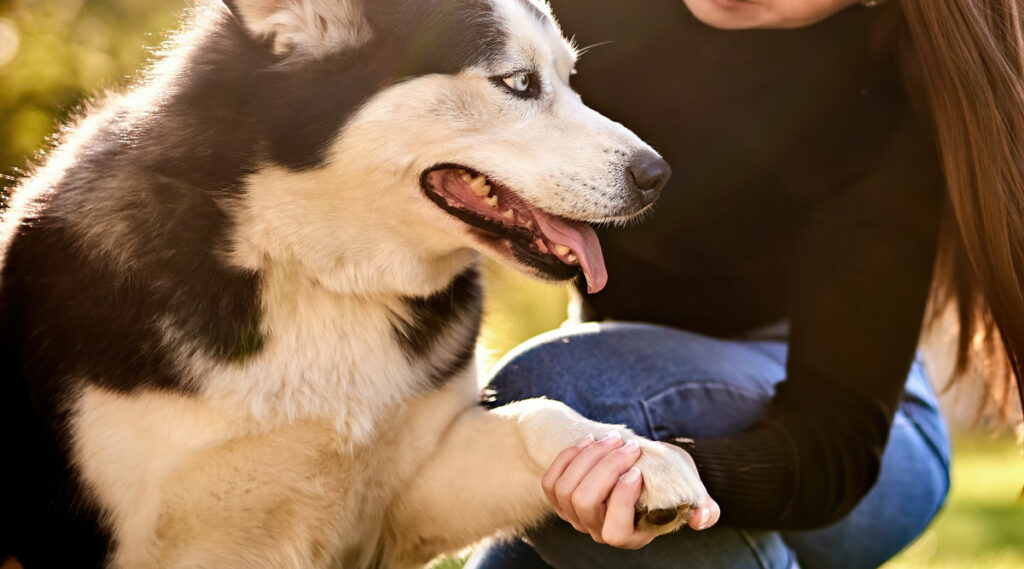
(57, 54)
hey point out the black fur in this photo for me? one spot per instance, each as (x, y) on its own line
(68, 313)
(304, 104)
(459, 305)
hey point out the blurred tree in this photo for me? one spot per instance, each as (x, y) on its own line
(57, 54)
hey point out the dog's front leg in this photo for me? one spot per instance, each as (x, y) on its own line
(485, 477)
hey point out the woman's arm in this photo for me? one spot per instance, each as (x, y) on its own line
(860, 282)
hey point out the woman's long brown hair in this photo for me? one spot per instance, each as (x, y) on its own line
(970, 56)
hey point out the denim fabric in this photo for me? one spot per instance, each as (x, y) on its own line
(665, 383)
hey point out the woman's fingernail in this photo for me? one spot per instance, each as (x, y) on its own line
(631, 446)
(585, 442)
(631, 475)
(612, 436)
(705, 513)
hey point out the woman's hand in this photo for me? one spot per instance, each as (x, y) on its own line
(594, 486)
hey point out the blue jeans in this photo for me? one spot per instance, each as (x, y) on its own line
(666, 383)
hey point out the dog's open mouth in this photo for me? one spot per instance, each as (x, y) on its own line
(554, 245)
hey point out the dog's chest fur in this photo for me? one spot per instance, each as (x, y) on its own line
(178, 479)
(348, 358)
(287, 444)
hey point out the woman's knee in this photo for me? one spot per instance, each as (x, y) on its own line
(911, 488)
(581, 366)
(657, 380)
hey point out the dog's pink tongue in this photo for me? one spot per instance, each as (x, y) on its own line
(581, 238)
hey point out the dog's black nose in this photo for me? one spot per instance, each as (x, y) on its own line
(649, 174)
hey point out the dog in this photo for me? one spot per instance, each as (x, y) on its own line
(239, 303)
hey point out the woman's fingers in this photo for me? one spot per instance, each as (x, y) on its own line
(594, 485)
(588, 500)
(558, 467)
(577, 469)
(618, 530)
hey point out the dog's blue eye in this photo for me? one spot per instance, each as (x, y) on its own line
(519, 82)
(523, 84)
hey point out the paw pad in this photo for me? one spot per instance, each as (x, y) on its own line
(664, 517)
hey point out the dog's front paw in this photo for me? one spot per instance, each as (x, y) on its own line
(672, 488)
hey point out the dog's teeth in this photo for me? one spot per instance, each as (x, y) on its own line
(466, 177)
(509, 215)
(571, 258)
(492, 201)
(529, 224)
(479, 186)
(562, 250)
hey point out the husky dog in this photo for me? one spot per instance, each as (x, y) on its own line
(239, 306)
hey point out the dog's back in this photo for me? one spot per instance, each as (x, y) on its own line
(47, 520)
(113, 196)
(43, 521)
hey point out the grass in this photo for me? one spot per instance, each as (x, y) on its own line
(982, 525)
(448, 564)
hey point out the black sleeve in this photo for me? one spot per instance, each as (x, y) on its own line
(860, 283)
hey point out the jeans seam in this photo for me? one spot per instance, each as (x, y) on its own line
(932, 406)
(647, 419)
(934, 448)
(932, 445)
(706, 382)
(757, 553)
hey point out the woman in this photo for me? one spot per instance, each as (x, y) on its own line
(819, 173)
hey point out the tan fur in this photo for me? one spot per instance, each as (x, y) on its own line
(440, 474)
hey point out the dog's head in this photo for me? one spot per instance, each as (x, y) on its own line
(433, 127)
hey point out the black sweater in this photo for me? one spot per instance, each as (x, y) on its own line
(805, 189)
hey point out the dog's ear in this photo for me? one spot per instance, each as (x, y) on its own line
(303, 27)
